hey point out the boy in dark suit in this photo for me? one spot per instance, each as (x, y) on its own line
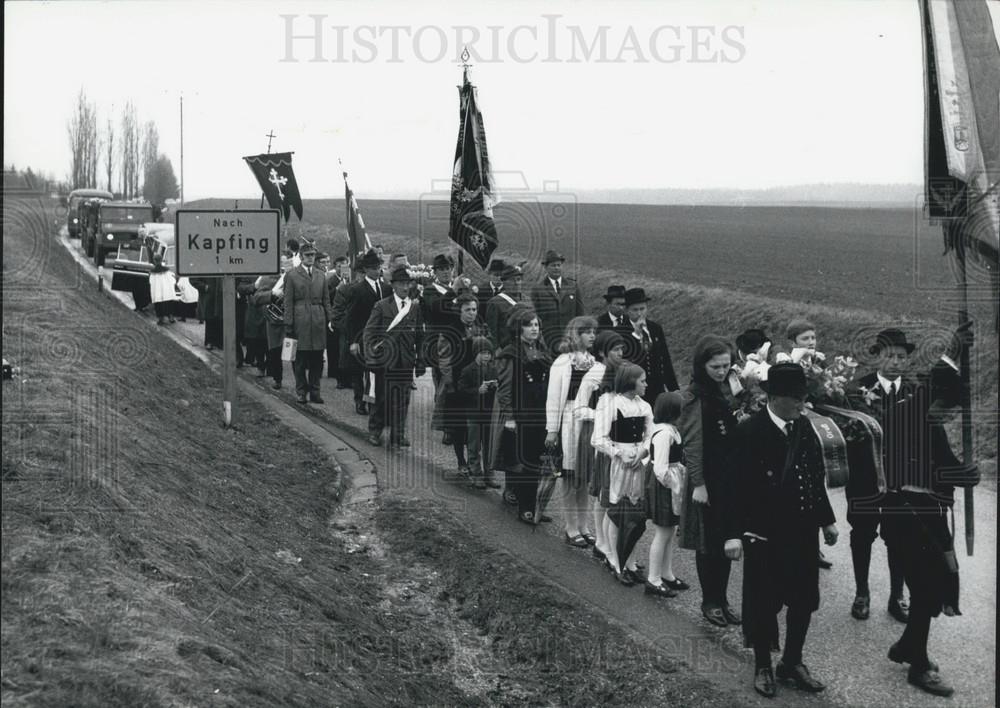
(776, 501)
(393, 346)
(877, 394)
(614, 318)
(646, 345)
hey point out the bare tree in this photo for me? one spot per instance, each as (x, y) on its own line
(109, 144)
(129, 152)
(83, 143)
(150, 146)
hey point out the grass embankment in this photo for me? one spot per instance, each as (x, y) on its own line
(148, 553)
(689, 311)
(152, 557)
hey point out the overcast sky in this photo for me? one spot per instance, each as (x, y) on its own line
(717, 94)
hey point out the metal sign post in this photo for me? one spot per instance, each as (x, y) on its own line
(226, 244)
(228, 347)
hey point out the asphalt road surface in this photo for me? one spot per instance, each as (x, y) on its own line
(848, 655)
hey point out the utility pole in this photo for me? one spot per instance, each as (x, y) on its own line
(182, 149)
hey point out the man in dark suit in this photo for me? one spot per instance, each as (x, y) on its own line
(438, 304)
(355, 308)
(776, 501)
(876, 394)
(333, 281)
(556, 299)
(614, 318)
(646, 345)
(307, 315)
(493, 286)
(393, 345)
(500, 306)
(922, 471)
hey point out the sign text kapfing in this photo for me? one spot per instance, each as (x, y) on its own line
(233, 242)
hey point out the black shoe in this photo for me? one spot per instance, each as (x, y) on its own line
(597, 553)
(625, 578)
(899, 610)
(276, 385)
(798, 676)
(676, 584)
(302, 399)
(316, 398)
(509, 498)
(375, 440)
(860, 610)
(731, 615)
(900, 656)
(763, 683)
(930, 680)
(713, 613)
(361, 408)
(546, 519)
(659, 590)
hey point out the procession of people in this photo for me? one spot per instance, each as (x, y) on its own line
(584, 417)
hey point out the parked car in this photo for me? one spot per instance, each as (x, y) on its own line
(73, 203)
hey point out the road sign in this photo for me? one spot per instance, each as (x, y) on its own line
(228, 242)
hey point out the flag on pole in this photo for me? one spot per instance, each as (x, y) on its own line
(357, 237)
(277, 180)
(962, 125)
(473, 193)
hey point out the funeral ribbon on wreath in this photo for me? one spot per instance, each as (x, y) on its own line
(834, 444)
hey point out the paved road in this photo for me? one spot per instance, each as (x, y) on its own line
(848, 655)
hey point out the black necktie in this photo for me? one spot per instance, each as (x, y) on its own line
(788, 428)
(556, 284)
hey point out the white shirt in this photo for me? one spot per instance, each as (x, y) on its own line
(401, 302)
(615, 321)
(780, 422)
(556, 284)
(374, 285)
(887, 384)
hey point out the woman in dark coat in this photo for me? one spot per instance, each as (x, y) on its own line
(455, 351)
(706, 425)
(518, 439)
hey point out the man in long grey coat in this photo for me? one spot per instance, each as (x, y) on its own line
(307, 314)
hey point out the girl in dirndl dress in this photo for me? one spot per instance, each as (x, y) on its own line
(622, 429)
(592, 466)
(664, 494)
(561, 426)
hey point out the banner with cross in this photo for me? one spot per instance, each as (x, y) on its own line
(277, 180)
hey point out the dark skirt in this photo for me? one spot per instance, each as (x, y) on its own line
(213, 333)
(600, 481)
(659, 502)
(585, 455)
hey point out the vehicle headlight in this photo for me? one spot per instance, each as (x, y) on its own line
(111, 237)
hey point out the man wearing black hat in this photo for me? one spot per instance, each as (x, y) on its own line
(646, 345)
(500, 306)
(493, 286)
(614, 317)
(921, 472)
(776, 501)
(556, 299)
(393, 346)
(307, 317)
(877, 394)
(358, 300)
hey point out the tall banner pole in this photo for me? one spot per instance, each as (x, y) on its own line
(966, 394)
(228, 347)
